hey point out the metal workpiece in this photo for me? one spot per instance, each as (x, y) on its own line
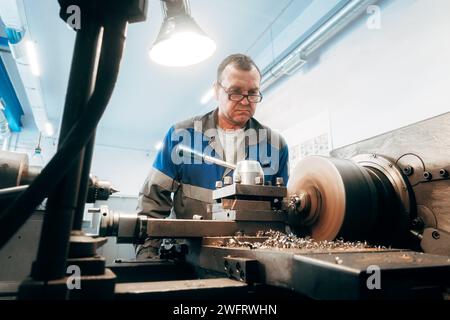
(300, 202)
(303, 208)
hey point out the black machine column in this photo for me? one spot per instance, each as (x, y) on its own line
(51, 259)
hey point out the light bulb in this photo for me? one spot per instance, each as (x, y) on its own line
(183, 49)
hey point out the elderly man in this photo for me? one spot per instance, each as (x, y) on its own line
(229, 133)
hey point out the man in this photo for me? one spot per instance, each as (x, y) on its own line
(229, 133)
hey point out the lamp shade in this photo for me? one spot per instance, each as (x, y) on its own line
(181, 42)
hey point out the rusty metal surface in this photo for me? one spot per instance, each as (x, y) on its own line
(236, 189)
(180, 228)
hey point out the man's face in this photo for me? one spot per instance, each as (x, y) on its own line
(237, 81)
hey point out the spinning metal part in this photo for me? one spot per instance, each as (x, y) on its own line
(363, 198)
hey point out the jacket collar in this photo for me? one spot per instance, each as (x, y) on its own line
(209, 121)
(209, 128)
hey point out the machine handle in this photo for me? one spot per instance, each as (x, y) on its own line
(204, 157)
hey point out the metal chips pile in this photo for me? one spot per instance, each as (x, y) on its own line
(277, 239)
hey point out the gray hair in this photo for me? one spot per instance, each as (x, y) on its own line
(240, 61)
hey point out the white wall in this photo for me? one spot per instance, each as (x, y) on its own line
(124, 168)
(372, 81)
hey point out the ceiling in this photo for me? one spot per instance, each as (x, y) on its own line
(149, 98)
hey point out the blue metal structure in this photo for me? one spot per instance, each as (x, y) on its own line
(13, 109)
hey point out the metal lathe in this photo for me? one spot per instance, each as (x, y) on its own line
(372, 221)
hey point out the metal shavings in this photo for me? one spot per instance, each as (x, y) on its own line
(277, 239)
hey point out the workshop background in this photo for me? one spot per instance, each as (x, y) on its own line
(386, 69)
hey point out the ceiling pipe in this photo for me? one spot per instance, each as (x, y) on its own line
(292, 61)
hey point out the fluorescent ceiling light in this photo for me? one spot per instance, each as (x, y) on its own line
(32, 58)
(49, 131)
